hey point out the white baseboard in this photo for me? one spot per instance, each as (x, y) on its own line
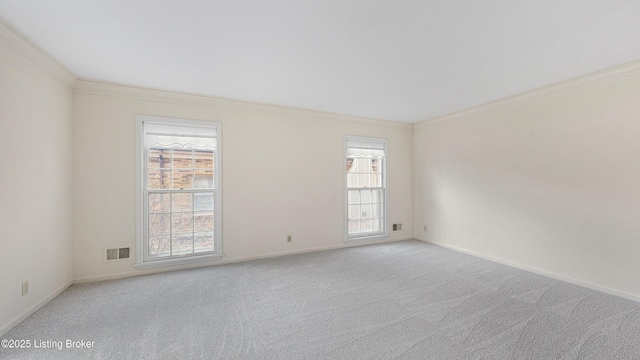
(567, 279)
(89, 279)
(25, 314)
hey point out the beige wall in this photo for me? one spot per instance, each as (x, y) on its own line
(282, 174)
(35, 184)
(551, 185)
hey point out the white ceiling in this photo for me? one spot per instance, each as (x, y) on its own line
(396, 60)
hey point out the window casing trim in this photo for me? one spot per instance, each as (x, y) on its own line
(141, 204)
(378, 143)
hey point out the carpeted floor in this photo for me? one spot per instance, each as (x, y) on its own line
(405, 300)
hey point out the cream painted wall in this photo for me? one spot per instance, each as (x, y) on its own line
(551, 184)
(35, 184)
(282, 174)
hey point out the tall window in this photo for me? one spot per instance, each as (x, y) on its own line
(179, 195)
(366, 188)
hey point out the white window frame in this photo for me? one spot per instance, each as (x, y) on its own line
(385, 186)
(142, 262)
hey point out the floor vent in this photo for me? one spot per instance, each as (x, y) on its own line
(117, 254)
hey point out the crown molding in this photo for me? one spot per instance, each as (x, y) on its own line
(96, 87)
(14, 38)
(611, 75)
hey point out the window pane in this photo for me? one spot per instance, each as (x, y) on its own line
(364, 165)
(159, 224)
(181, 202)
(354, 212)
(365, 212)
(204, 159)
(375, 165)
(159, 158)
(159, 203)
(363, 180)
(375, 225)
(203, 241)
(203, 221)
(182, 179)
(365, 196)
(182, 159)
(203, 179)
(182, 244)
(159, 179)
(181, 222)
(350, 165)
(159, 245)
(354, 227)
(365, 226)
(376, 196)
(373, 180)
(354, 197)
(352, 180)
(375, 210)
(364, 172)
(203, 202)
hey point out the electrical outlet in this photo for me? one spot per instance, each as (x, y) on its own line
(25, 288)
(424, 227)
(395, 227)
(289, 238)
(399, 227)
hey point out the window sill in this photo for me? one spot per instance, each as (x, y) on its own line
(367, 238)
(177, 261)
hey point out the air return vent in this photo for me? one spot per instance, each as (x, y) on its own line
(117, 254)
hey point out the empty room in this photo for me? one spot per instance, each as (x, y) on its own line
(356, 179)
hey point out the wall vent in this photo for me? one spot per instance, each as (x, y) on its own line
(117, 254)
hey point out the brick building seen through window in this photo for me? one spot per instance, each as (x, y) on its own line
(189, 212)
